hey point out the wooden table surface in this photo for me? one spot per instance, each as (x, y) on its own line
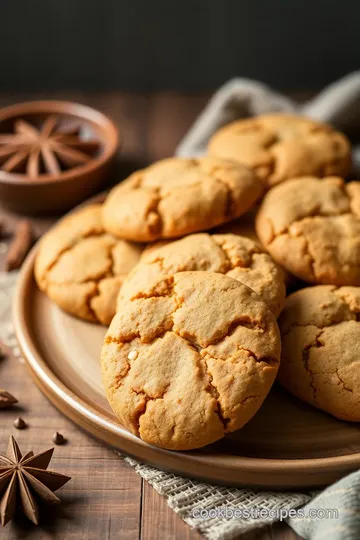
(105, 499)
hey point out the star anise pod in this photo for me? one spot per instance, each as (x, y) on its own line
(24, 480)
(49, 149)
(6, 399)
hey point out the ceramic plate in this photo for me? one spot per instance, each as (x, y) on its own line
(286, 445)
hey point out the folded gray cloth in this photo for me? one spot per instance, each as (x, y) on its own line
(338, 104)
(333, 514)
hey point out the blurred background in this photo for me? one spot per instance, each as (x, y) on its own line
(189, 45)
(152, 66)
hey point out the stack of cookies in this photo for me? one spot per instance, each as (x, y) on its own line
(187, 262)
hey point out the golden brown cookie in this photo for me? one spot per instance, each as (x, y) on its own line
(175, 197)
(234, 256)
(311, 227)
(245, 226)
(81, 268)
(153, 246)
(320, 360)
(183, 368)
(282, 146)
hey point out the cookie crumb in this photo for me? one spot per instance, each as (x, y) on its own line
(133, 355)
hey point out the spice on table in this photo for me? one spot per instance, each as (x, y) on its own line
(48, 149)
(20, 423)
(58, 438)
(24, 482)
(19, 246)
(6, 399)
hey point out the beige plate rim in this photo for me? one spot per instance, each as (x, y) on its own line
(219, 468)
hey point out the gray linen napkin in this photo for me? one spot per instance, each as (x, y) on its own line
(334, 513)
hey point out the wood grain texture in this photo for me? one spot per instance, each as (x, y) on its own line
(158, 520)
(106, 498)
(104, 493)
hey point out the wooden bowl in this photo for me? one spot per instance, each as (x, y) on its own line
(53, 155)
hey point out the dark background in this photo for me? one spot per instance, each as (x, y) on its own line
(186, 45)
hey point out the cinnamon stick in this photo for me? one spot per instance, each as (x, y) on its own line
(19, 246)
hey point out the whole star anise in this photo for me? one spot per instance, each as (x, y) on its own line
(24, 479)
(49, 149)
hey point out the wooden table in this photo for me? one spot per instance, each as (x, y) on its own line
(105, 499)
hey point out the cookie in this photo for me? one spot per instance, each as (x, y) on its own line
(234, 256)
(81, 268)
(320, 361)
(245, 226)
(175, 197)
(153, 246)
(183, 368)
(281, 146)
(311, 227)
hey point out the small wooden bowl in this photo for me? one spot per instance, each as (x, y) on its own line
(61, 162)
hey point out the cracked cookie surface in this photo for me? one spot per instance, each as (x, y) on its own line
(175, 197)
(320, 359)
(245, 226)
(311, 227)
(235, 256)
(281, 146)
(186, 366)
(81, 267)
